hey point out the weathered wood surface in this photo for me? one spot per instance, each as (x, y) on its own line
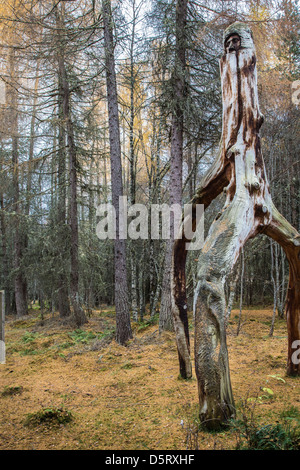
(239, 171)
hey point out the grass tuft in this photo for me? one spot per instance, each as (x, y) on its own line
(10, 391)
(48, 416)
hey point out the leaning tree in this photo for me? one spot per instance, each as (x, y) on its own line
(239, 171)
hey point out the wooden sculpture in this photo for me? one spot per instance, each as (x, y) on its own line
(248, 211)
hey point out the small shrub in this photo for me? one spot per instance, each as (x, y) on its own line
(127, 365)
(28, 352)
(10, 391)
(65, 345)
(283, 435)
(275, 437)
(143, 325)
(28, 337)
(48, 416)
(191, 430)
(82, 336)
(191, 426)
(291, 413)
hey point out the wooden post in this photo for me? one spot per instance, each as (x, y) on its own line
(2, 325)
(239, 171)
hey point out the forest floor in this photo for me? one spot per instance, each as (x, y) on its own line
(131, 398)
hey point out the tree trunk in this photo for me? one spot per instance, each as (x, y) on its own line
(123, 327)
(142, 301)
(287, 236)
(134, 284)
(248, 211)
(155, 247)
(5, 284)
(232, 287)
(133, 163)
(63, 233)
(241, 291)
(275, 287)
(165, 319)
(20, 280)
(79, 315)
(179, 80)
(283, 287)
(31, 143)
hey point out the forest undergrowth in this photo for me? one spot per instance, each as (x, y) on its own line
(66, 389)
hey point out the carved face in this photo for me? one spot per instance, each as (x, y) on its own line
(233, 43)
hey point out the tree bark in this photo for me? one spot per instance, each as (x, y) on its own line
(4, 246)
(133, 164)
(232, 287)
(287, 236)
(179, 89)
(275, 287)
(79, 315)
(239, 326)
(248, 210)
(63, 232)
(123, 327)
(20, 280)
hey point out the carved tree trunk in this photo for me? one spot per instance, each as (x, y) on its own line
(239, 171)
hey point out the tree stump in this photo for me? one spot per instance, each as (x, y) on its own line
(239, 171)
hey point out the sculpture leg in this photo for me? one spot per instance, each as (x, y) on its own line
(221, 249)
(287, 236)
(211, 186)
